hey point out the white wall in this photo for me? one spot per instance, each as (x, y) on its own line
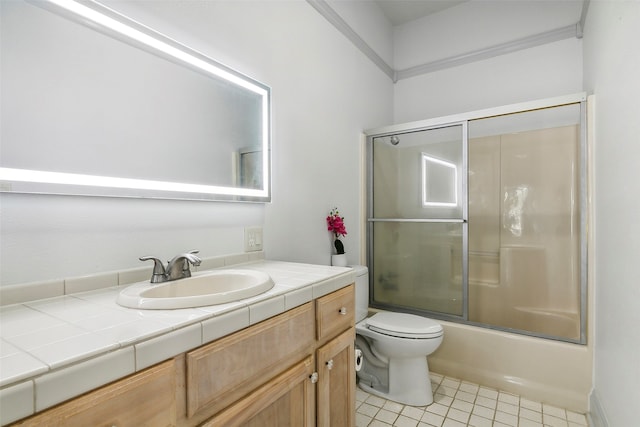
(540, 72)
(476, 25)
(368, 21)
(324, 93)
(612, 67)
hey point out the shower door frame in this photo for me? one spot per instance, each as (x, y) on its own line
(464, 119)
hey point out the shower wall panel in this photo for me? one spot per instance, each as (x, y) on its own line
(524, 246)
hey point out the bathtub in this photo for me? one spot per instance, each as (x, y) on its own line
(547, 321)
(538, 369)
(493, 304)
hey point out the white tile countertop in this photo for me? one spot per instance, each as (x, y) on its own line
(57, 348)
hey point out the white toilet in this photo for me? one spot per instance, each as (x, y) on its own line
(395, 348)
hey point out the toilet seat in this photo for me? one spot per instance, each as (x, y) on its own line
(404, 325)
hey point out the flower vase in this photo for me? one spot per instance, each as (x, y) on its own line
(339, 260)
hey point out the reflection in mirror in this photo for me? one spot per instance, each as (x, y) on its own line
(113, 108)
(419, 173)
(439, 182)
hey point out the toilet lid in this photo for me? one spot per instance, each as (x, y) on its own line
(404, 325)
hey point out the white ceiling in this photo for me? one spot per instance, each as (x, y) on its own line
(401, 11)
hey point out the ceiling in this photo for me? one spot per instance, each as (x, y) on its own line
(401, 11)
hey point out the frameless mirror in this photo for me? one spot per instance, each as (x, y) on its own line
(94, 103)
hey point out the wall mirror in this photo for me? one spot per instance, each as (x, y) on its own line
(95, 103)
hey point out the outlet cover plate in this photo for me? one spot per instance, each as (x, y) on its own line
(252, 239)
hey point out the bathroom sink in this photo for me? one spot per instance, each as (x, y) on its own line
(204, 288)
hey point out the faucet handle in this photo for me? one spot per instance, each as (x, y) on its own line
(190, 257)
(159, 273)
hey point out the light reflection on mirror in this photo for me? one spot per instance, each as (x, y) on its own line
(439, 182)
(208, 134)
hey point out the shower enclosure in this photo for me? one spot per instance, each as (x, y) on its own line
(481, 218)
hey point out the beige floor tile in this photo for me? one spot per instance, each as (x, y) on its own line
(460, 403)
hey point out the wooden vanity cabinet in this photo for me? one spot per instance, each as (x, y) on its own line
(335, 316)
(227, 370)
(147, 398)
(288, 400)
(318, 389)
(335, 313)
(295, 369)
(337, 381)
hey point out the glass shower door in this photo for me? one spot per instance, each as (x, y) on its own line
(525, 222)
(417, 219)
(484, 221)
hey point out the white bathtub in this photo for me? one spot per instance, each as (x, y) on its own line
(548, 321)
(538, 369)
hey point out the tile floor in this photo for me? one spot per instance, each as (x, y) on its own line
(458, 404)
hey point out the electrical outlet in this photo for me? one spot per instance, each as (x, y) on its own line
(252, 239)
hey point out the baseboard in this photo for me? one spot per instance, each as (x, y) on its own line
(596, 415)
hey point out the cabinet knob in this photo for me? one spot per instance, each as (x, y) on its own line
(314, 378)
(343, 310)
(330, 364)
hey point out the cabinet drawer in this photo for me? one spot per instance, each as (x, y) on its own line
(335, 312)
(220, 373)
(147, 398)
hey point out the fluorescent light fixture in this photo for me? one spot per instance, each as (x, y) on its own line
(439, 175)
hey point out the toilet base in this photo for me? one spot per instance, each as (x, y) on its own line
(409, 383)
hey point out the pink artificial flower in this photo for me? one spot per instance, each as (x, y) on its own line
(335, 223)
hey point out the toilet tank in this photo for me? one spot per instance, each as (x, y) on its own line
(362, 291)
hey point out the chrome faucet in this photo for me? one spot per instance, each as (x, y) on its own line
(177, 268)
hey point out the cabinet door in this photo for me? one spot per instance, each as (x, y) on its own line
(147, 398)
(286, 401)
(224, 371)
(337, 381)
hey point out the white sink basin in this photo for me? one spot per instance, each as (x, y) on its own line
(204, 288)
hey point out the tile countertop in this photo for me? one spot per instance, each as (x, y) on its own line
(57, 348)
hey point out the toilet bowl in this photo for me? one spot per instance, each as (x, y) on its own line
(395, 348)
